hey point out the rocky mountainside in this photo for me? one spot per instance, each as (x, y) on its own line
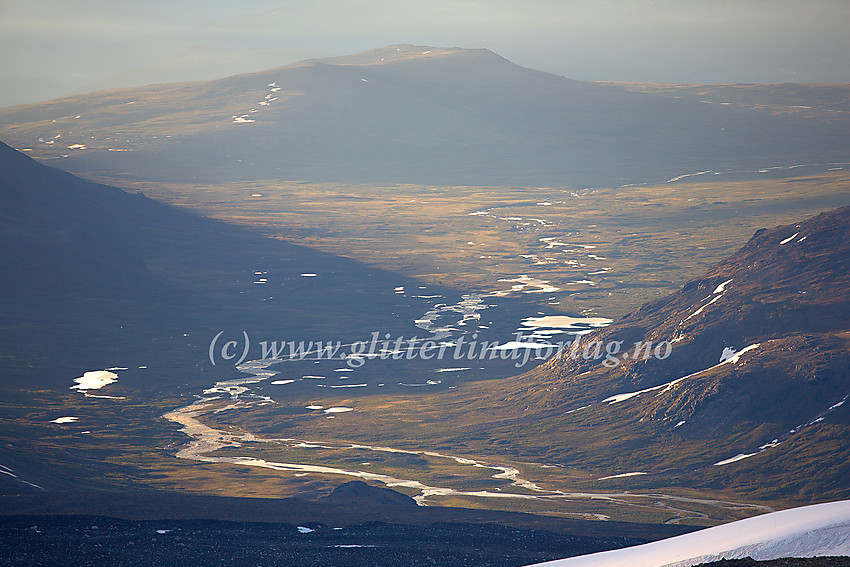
(414, 114)
(786, 282)
(745, 386)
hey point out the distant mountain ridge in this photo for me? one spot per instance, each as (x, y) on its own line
(780, 97)
(199, 63)
(414, 114)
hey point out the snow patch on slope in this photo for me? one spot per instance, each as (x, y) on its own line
(811, 531)
(722, 287)
(735, 459)
(790, 238)
(701, 309)
(729, 356)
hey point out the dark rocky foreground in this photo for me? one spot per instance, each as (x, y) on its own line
(98, 540)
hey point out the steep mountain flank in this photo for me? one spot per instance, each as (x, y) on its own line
(744, 387)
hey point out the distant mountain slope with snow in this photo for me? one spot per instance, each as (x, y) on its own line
(812, 531)
(416, 114)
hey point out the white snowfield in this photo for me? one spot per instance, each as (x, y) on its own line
(811, 531)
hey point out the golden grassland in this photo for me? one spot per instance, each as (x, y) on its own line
(653, 238)
(130, 448)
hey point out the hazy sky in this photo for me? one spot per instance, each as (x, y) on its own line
(50, 48)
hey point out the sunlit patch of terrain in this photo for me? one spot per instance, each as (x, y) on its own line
(602, 251)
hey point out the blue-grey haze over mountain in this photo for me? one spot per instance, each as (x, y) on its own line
(51, 48)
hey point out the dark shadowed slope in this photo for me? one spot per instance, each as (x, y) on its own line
(95, 278)
(91, 273)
